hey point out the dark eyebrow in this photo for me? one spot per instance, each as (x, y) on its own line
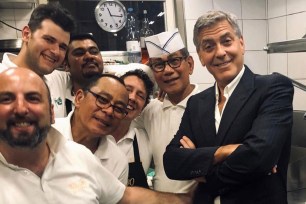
(6, 93)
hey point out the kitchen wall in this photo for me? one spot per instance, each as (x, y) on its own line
(261, 22)
(16, 18)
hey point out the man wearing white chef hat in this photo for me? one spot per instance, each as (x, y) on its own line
(171, 65)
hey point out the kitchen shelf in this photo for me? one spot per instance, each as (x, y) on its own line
(289, 46)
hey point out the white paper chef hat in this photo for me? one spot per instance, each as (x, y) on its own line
(164, 43)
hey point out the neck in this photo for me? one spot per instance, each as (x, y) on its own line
(21, 60)
(122, 130)
(177, 98)
(82, 135)
(75, 87)
(35, 159)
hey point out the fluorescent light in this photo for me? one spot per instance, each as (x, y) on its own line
(151, 22)
(160, 14)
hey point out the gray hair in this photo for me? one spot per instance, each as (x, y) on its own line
(210, 19)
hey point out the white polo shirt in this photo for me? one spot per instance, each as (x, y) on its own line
(72, 175)
(161, 121)
(110, 156)
(126, 146)
(57, 81)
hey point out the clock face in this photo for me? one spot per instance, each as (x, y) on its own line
(110, 15)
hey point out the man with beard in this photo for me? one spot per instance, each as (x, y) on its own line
(83, 61)
(45, 41)
(38, 165)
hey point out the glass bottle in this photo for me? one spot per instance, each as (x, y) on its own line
(132, 38)
(145, 31)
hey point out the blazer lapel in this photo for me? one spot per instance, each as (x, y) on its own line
(207, 112)
(238, 98)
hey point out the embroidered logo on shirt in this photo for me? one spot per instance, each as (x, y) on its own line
(78, 186)
(58, 101)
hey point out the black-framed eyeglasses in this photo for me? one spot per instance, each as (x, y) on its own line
(102, 102)
(174, 62)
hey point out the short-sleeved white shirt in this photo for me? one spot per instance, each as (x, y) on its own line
(110, 156)
(72, 175)
(161, 121)
(126, 146)
(58, 82)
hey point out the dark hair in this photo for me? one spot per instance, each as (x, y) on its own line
(54, 12)
(82, 36)
(94, 80)
(184, 51)
(145, 78)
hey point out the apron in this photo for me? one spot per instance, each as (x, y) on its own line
(137, 176)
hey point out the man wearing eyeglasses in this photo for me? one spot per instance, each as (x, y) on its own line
(172, 65)
(99, 107)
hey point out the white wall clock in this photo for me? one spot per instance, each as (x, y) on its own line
(110, 15)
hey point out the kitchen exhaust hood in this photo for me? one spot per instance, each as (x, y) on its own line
(298, 45)
(18, 4)
(11, 45)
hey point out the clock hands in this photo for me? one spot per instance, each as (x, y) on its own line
(112, 14)
(117, 16)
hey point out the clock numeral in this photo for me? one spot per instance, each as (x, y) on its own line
(102, 20)
(111, 4)
(119, 21)
(102, 9)
(111, 26)
(117, 25)
(100, 14)
(105, 24)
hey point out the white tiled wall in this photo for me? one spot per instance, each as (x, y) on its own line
(261, 22)
(286, 21)
(17, 18)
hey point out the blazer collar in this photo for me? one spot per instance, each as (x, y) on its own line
(242, 92)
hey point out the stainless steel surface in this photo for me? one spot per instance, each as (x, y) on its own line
(298, 45)
(296, 178)
(18, 4)
(12, 45)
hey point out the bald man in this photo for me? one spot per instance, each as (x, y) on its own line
(38, 165)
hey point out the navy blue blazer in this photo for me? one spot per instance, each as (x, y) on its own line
(258, 115)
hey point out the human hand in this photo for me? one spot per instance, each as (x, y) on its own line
(274, 170)
(223, 152)
(186, 143)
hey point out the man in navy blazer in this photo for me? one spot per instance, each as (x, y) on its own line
(234, 138)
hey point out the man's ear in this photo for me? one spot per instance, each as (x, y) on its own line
(79, 97)
(190, 62)
(52, 114)
(26, 33)
(66, 66)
